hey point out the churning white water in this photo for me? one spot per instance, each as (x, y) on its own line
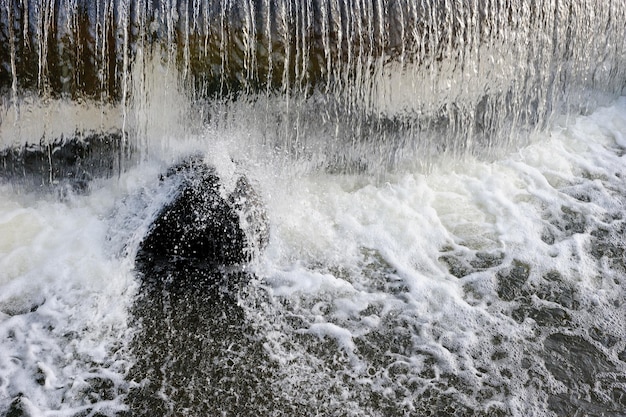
(445, 184)
(403, 285)
(64, 299)
(412, 294)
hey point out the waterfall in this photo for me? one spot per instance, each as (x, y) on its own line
(430, 76)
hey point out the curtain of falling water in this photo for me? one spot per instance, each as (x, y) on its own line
(351, 81)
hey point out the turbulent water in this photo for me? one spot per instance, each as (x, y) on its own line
(445, 183)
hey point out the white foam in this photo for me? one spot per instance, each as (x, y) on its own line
(354, 258)
(324, 226)
(64, 298)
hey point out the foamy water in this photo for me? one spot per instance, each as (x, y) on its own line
(430, 293)
(484, 286)
(63, 300)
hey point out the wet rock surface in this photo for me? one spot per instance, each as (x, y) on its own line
(198, 225)
(199, 233)
(71, 162)
(195, 353)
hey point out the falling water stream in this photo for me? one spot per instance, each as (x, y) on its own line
(444, 181)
